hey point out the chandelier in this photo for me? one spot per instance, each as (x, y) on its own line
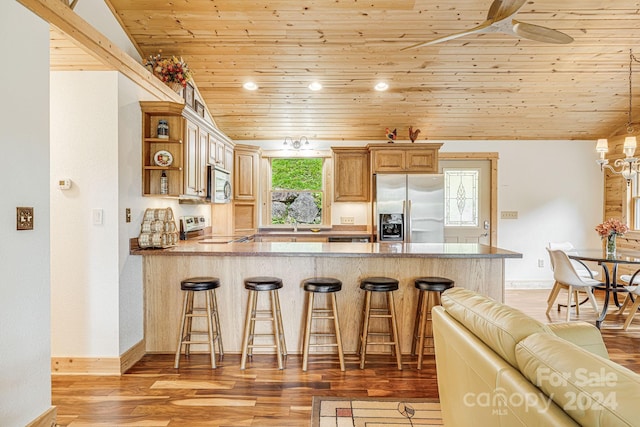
(629, 165)
(297, 144)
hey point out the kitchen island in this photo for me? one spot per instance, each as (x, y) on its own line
(476, 267)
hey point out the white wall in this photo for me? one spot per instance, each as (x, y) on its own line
(84, 256)
(557, 189)
(25, 390)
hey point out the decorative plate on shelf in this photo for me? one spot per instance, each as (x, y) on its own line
(163, 158)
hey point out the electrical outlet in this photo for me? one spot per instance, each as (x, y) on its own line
(541, 263)
(347, 220)
(24, 218)
(509, 215)
(127, 214)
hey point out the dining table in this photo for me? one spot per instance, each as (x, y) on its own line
(609, 263)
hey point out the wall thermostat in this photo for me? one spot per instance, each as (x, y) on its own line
(64, 184)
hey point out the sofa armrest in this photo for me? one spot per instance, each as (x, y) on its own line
(582, 334)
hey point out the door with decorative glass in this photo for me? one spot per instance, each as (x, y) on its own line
(467, 193)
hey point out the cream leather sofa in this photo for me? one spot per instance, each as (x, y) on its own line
(499, 367)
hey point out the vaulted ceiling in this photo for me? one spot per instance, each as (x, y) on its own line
(481, 86)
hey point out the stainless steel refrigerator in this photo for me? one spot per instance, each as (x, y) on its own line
(410, 208)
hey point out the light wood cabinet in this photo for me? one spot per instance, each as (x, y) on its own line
(197, 141)
(245, 187)
(152, 114)
(189, 144)
(351, 174)
(404, 158)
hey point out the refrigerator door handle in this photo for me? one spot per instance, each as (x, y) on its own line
(407, 230)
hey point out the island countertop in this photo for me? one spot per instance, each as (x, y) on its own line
(472, 266)
(333, 249)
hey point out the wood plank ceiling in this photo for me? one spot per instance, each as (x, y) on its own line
(488, 86)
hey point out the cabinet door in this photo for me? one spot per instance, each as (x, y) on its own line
(203, 149)
(390, 160)
(245, 171)
(351, 175)
(212, 150)
(228, 157)
(191, 173)
(220, 159)
(425, 160)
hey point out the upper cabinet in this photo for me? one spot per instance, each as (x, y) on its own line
(162, 151)
(351, 174)
(176, 151)
(404, 158)
(245, 188)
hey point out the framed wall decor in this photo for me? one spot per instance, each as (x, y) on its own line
(199, 108)
(189, 96)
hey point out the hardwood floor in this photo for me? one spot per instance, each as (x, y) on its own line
(152, 393)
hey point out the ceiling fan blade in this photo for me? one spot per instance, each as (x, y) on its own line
(541, 34)
(479, 29)
(502, 9)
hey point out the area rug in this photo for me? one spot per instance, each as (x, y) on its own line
(374, 412)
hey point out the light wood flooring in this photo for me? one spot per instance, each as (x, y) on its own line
(153, 394)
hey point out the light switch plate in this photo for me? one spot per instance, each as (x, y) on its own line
(24, 218)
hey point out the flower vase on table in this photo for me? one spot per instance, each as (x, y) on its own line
(610, 230)
(611, 244)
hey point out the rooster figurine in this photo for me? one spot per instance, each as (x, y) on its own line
(391, 136)
(413, 134)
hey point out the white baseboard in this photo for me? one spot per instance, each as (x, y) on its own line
(528, 284)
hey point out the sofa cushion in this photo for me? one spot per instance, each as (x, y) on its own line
(593, 390)
(499, 326)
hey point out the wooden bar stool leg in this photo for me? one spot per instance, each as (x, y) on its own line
(307, 331)
(218, 336)
(176, 363)
(417, 323)
(336, 324)
(283, 344)
(189, 315)
(394, 328)
(276, 327)
(423, 327)
(210, 331)
(365, 328)
(247, 329)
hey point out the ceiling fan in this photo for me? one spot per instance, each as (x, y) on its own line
(498, 21)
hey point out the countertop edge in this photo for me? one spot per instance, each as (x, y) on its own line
(350, 250)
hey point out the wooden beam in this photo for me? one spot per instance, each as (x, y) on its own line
(65, 19)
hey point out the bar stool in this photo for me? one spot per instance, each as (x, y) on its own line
(210, 311)
(388, 286)
(255, 285)
(325, 285)
(422, 330)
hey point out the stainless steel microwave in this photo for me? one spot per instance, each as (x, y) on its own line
(219, 188)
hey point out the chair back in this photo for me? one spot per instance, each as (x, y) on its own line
(563, 270)
(559, 246)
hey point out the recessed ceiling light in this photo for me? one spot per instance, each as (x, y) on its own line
(315, 86)
(250, 86)
(381, 86)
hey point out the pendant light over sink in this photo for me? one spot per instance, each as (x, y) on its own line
(630, 164)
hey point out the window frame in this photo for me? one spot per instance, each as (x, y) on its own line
(327, 186)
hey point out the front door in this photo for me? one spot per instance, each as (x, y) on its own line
(467, 200)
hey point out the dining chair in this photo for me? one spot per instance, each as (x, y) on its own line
(633, 297)
(580, 268)
(566, 275)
